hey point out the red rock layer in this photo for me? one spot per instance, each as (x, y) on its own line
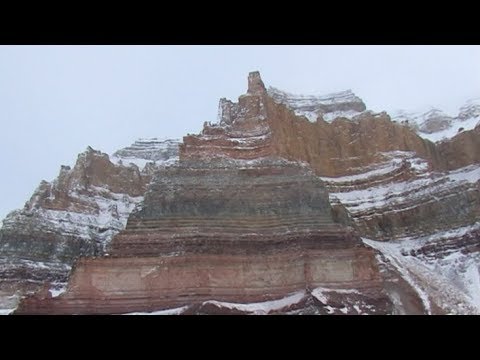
(258, 126)
(122, 285)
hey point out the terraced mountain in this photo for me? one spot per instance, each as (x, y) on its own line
(288, 204)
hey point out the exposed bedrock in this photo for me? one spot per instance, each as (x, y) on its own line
(262, 214)
(75, 215)
(227, 231)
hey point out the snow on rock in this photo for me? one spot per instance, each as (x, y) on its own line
(143, 151)
(455, 128)
(38, 265)
(8, 302)
(321, 293)
(342, 104)
(395, 160)
(404, 192)
(469, 174)
(452, 281)
(175, 311)
(431, 124)
(472, 282)
(261, 308)
(58, 289)
(108, 215)
(436, 126)
(348, 114)
(471, 109)
(330, 309)
(387, 250)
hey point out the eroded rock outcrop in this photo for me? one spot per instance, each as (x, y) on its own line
(75, 215)
(437, 126)
(231, 223)
(243, 224)
(424, 223)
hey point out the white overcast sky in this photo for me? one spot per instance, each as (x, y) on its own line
(57, 100)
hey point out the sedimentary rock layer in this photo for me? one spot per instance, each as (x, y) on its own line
(243, 190)
(230, 223)
(75, 215)
(427, 222)
(221, 232)
(121, 285)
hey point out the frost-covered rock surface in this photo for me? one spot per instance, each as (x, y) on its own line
(76, 215)
(440, 268)
(424, 223)
(436, 126)
(343, 104)
(143, 151)
(432, 124)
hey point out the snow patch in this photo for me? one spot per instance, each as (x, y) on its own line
(141, 163)
(103, 214)
(396, 160)
(349, 114)
(330, 310)
(57, 291)
(357, 308)
(313, 106)
(161, 152)
(262, 308)
(404, 192)
(319, 294)
(453, 130)
(393, 257)
(452, 281)
(472, 279)
(468, 117)
(175, 311)
(469, 174)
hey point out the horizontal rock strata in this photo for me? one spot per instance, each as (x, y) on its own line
(75, 215)
(230, 223)
(243, 191)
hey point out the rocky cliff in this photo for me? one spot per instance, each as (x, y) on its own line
(231, 225)
(75, 215)
(288, 204)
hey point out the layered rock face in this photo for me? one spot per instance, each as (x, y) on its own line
(328, 107)
(420, 199)
(75, 215)
(332, 149)
(398, 186)
(242, 225)
(242, 131)
(230, 226)
(427, 222)
(148, 151)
